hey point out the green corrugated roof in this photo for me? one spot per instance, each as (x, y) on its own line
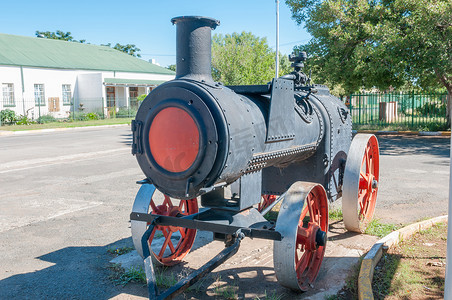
(47, 53)
(132, 81)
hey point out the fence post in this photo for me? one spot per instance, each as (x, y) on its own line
(371, 108)
(359, 109)
(412, 109)
(39, 111)
(128, 106)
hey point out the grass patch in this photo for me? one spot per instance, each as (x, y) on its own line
(66, 124)
(122, 277)
(414, 269)
(224, 290)
(227, 292)
(119, 251)
(427, 126)
(435, 231)
(383, 276)
(335, 214)
(272, 296)
(164, 279)
(375, 227)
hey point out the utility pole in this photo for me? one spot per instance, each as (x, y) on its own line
(277, 39)
(448, 279)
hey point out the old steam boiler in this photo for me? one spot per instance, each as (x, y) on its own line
(236, 151)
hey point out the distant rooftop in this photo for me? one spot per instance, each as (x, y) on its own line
(47, 53)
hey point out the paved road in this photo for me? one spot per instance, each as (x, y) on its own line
(65, 198)
(414, 178)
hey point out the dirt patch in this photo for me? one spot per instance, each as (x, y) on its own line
(414, 269)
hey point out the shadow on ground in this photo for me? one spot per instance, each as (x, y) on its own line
(412, 145)
(127, 139)
(83, 273)
(76, 273)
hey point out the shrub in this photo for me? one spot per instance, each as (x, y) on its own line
(91, 116)
(126, 112)
(433, 109)
(46, 119)
(77, 115)
(141, 98)
(434, 126)
(8, 116)
(24, 120)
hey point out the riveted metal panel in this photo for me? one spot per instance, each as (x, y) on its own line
(281, 116)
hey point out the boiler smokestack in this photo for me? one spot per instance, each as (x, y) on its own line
(193, 44)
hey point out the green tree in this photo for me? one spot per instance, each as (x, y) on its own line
(384, 44)
(172, 68)
(130, 49)
(244, 59)
(58, 35)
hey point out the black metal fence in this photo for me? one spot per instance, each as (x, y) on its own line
(418, 111)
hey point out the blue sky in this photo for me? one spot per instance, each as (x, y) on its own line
(147, 23)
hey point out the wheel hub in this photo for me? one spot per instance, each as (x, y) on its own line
(307, 237)
(374, 184)
(320, 238)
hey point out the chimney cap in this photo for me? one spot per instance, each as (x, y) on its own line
(213, 23)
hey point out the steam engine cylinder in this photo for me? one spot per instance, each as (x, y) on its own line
(192, 133)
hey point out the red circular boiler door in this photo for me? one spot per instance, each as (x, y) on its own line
(174, 139)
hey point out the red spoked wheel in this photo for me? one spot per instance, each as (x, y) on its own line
(168, 244)
(167, 252)
(303, 223)
(361, 180)
(266, 201)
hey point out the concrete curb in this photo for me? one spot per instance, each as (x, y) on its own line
(373, 256)
(25, 132)
(420, 133)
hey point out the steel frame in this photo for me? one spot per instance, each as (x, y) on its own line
(234, 234)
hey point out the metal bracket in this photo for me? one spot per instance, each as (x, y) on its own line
(186, 282)
(196, 221)
(250, 189)
(281, 116)
(136, 132)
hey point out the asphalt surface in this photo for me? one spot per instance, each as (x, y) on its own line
(65, 198)
(414, 180)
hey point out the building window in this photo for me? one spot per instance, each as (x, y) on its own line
(39, 95)
(133, 92)
(8, 94)
(111, 96)
(67, 94)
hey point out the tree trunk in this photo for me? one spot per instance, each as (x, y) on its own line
(446, 81)
(449, 105)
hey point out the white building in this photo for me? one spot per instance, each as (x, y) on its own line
(44, 76)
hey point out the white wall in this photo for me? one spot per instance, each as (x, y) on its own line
(90, 92)
(52, 79)
(145, 76)
(11, 75)
(86, 87)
